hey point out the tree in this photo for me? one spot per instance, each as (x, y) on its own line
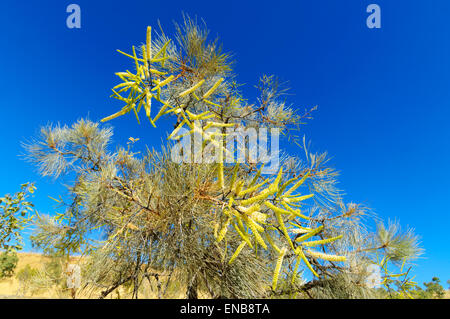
(8, 263)
(15, 213)
(228, 229)
(434, 288)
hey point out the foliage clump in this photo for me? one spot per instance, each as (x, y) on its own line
(8, 263)
(227, 229)
(15, 214)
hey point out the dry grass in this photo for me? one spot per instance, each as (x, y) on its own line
(10, 288)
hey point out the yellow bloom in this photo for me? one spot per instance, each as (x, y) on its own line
(277, 270)
(195, 87)
(236, 253)
(212, 89)
(149, 42)
(328, 257)
(321, 242)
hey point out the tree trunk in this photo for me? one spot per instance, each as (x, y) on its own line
(191, 292)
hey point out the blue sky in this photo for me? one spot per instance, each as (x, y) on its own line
(383, 95)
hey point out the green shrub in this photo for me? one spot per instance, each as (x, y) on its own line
(8, 263)
(26, 274)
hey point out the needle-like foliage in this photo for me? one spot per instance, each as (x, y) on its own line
(226, 229)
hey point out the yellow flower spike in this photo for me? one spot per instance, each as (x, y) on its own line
(214, 104)
(403, 264)
(300, 253)
(195, 87)
(327, 257)
(230, 202)
(321, 242)
(276, 209)
(237, 252)
(177, 137)
(115, 115)
(249, 210)
(310, 234)
(130, 56)
(191, 115)
(163, 83)
(254, 228)
(391, 276)
(296, 212)
(239, 221)
(161, 111)
(213, 88)
(238, 188)
(294, 273)
(274, 186)
(118, 96)
(195, 117)
(277, 212)
(220, 174)
(136, 114)
(122, 75)
(146, 66)
(163, 49)
(135, 59)
(223, 231)
(211, 116)
(175, 131)
(251, 189)
(195, 96)
(274, 246)
(188, 122)
(154, 71)
(299, 231)
(139, 105)
(288, 182)
(148, 104)
(297, 199)
(214, 124)
(124, 84)
(301, 227)
(259, 217)
(243, 235)
(141, 74)
(159, 60)
(261, 196)
(257, 226)
(297, 185)
(255, 178)
(277, 270)
(149, 42)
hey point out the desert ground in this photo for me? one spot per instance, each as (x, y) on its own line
(11, 288)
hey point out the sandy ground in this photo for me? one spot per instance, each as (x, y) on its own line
(10, 288)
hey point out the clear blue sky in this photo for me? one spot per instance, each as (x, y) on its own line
(383, 95)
